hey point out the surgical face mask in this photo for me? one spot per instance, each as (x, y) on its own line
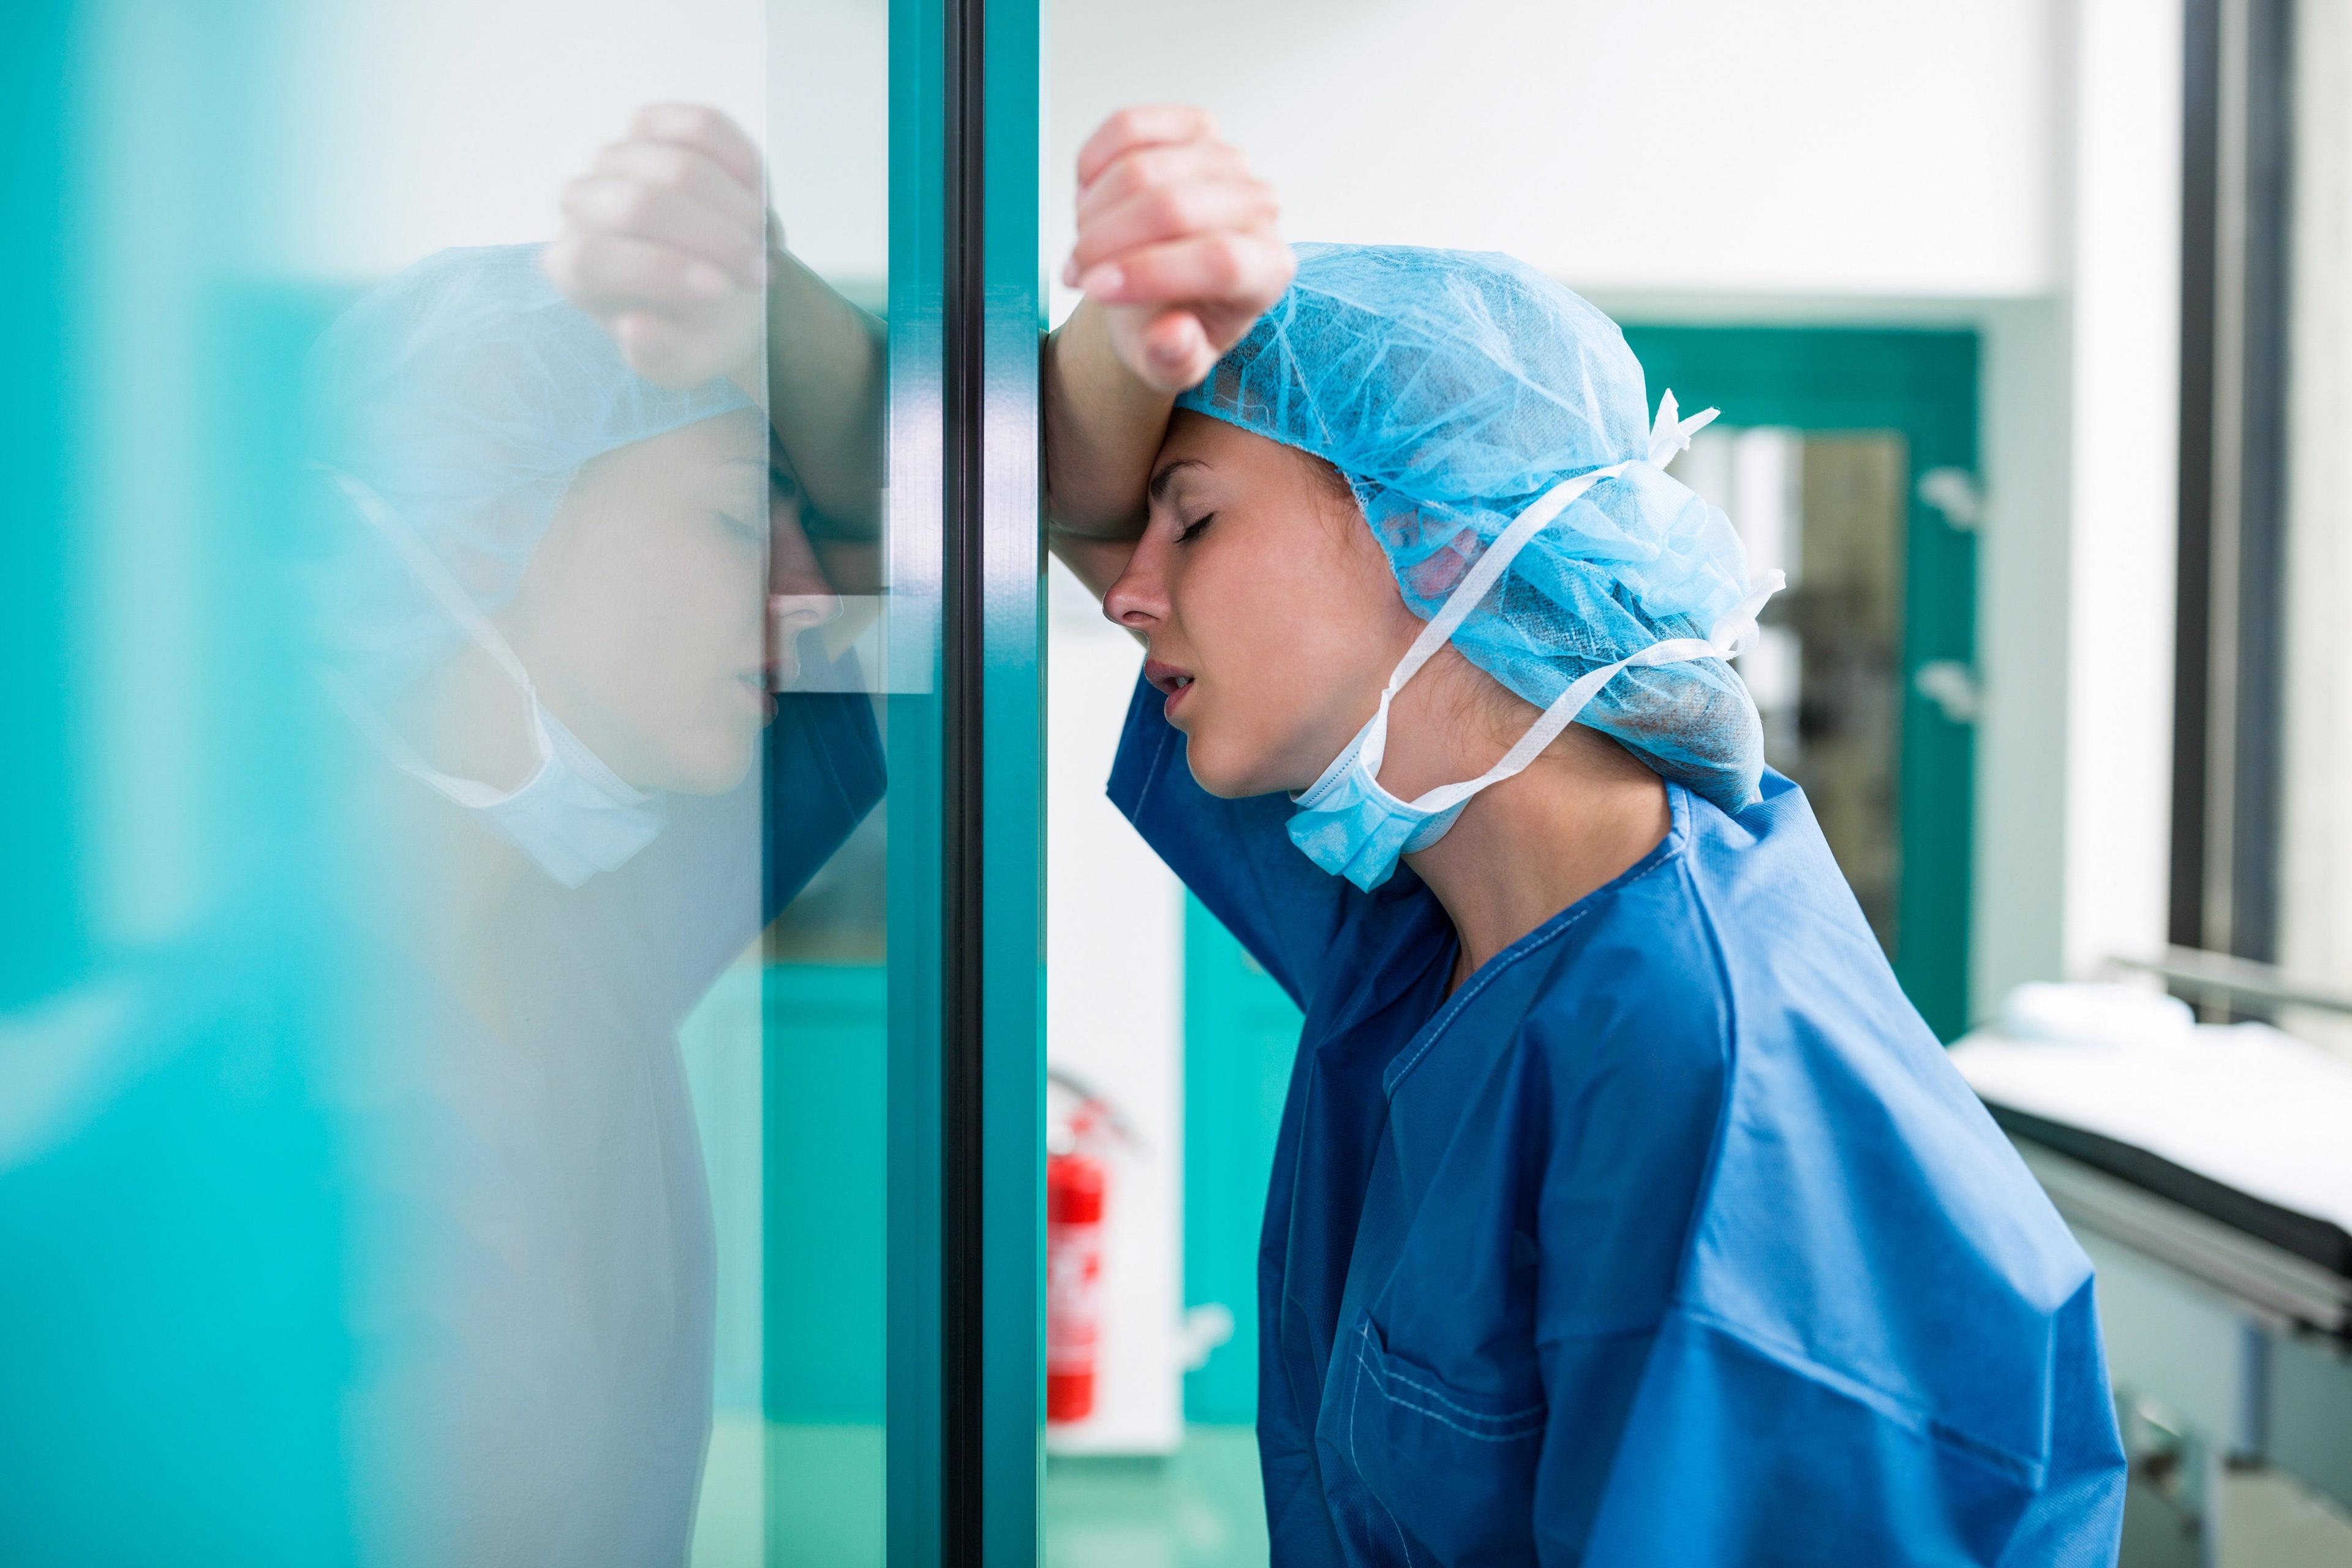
(1352, 828)
(573, 815)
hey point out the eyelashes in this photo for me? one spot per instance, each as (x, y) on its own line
(1185, 534)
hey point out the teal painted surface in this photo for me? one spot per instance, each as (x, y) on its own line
(41, 898)
(913, 1324)
(1241, 1034)
(824, 1085)
(823, 1507)
(1013, 1103)
(173, 1353)
(1924, 386)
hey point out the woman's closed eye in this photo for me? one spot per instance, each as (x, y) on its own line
(1185, 534)
(752, 529)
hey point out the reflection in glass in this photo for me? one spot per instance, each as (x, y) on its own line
(415, 1153)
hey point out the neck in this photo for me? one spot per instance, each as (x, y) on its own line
(1526, 849)
(448, 876)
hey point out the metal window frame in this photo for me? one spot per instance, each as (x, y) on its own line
(965, 1385)
(2229, 656)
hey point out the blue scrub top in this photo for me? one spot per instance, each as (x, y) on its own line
(532, 1258)
(1671, 1237)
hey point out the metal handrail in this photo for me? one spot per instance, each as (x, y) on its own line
(2223, 975)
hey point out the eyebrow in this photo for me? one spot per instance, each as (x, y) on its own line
(1158, 490)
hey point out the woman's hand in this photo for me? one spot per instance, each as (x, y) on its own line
(1178, 255)
(1176, 243)
(665, 242)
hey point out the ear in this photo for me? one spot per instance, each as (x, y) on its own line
(1434, 576)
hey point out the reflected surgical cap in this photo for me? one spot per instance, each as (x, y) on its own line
(1452, 389)
(467, 392)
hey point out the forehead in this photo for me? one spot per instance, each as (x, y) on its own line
(1194, 438)
(729, 448)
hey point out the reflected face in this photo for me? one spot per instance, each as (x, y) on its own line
(1270, 613)
(644, 616)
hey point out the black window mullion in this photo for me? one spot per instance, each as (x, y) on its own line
(2230, 651)
(963, 621)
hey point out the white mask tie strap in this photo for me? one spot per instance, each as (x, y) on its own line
(1731, 635)
(1669, 433)
(429, 570)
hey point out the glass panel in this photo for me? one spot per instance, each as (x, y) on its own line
(455, 959)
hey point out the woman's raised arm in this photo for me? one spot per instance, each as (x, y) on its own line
(1178, 254)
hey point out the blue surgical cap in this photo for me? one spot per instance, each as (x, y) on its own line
(1453, 388)
(467, 392)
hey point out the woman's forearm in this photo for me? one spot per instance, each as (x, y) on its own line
(1103, 425)
(827, 374)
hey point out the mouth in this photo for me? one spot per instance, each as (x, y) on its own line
(1170, 680)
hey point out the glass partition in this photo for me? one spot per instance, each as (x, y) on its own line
(476, 1009)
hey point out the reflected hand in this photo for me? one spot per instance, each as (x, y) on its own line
(1176, 242)
(665, 244)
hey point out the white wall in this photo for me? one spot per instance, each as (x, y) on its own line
(2124, 326)
(427, 123)
(1830, 147)
(1115, 1016)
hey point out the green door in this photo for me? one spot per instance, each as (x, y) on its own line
(1881, 464)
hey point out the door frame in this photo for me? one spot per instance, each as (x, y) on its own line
(965, 1455)
(1921, 383)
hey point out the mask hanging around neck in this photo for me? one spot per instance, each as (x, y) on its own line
(1350, 825)
(573, 815)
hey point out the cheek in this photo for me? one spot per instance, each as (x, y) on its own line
(665, 597)
(1297, 642)
(647, 623)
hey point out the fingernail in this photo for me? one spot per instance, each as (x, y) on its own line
(1070, 271)
(705, 280)
(1103, 281)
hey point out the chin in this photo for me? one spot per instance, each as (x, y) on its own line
(713, 767)
(1225, 777)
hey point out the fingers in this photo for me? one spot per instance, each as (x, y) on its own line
(689, 171)
(1156, 167)
(665, 350)
(606, 273)
(1170, 212)
(1177, 353)
(1147, 125)
(612, 207)
(691, 125)
(1246, 271)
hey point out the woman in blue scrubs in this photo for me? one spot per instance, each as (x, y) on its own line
(1625, 1210)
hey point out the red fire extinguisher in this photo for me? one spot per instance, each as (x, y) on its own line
(1073, 1254)
(1076, 1178)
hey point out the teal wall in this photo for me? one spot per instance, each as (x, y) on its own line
(826, 1148)
(1240, 1035)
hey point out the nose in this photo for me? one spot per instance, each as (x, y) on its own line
(793, 614)
(1138, 599)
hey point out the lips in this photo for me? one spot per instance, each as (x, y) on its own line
(1170, 679)
(1166, 677)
